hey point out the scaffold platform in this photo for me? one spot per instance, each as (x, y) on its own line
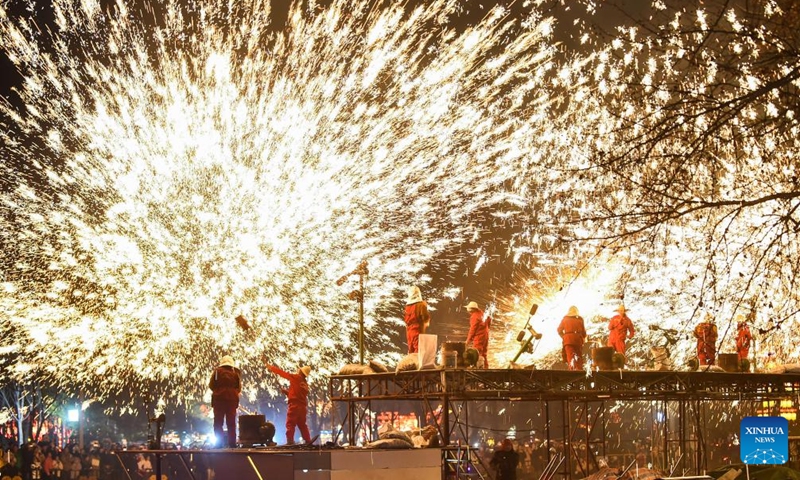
(464, 384)
(575, 404)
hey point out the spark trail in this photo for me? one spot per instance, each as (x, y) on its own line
(171, 166)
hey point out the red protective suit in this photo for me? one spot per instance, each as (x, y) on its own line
(479, 334)
(743, 340)
(620, 328)
(706, 334)
(573, 334)
(297, 396)
(225, 385)
(416, 318)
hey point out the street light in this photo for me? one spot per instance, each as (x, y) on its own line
(73, 415)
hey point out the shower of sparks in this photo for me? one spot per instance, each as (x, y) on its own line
(554, 291)
(170, 165)
(175, 166)
(596, 293)
(688, 136)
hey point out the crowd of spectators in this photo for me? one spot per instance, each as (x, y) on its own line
(45, 461)
(533, 457)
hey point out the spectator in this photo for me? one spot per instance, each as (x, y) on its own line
(47, 465)
(57, 466)
(75, 466)
(28, 452)
(505, 461)
(94, 465)
(143, 467)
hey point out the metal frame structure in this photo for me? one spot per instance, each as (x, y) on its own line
(579, 397)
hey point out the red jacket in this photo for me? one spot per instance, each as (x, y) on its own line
(572, 331)
(478, 328)
(706, 334)
(620, 326)
(298, 387)
(743, 337)
(417, 316)
(225, 384)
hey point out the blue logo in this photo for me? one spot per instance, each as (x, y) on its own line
(765, 440)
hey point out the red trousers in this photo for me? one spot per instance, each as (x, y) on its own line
(743, 353)
(296, 417)
(706, 354)
(482, 346)
(412, 337)
(225, 411)
(573, 355)
(618, 342)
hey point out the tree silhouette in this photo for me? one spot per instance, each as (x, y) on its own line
(686, 151)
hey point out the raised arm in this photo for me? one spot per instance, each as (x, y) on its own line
(278, 371)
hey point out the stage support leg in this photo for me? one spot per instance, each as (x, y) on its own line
(447, 430)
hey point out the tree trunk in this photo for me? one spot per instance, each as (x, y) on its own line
(20, 419)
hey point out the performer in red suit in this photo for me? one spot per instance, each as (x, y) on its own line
(743, 339)
(573, 334)
(226, 386)
(416, 317)
(620, 328)
(706, 335)
(479, 331)
(297, 395)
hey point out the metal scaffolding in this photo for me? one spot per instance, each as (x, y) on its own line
(681, 398)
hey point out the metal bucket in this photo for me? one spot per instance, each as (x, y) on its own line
(450, 359)
(729, 362)
(250, 428)
(453, 354)
(602, 358)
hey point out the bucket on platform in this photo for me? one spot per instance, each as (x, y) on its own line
(729, 362)
(453, 354)
(602, 358)
(250, 428)
(450, 359)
